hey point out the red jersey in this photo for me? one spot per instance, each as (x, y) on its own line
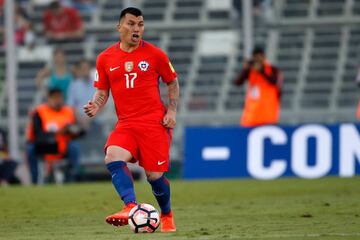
(133, 79)
(68, 21)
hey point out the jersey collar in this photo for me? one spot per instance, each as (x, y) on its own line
(141, 44)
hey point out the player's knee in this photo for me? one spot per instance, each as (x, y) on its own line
(152, 176)
(110, 157)
(117, 154)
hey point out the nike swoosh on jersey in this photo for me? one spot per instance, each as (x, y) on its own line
(112, 69)
(160, 163)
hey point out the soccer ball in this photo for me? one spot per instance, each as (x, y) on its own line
(144, 218)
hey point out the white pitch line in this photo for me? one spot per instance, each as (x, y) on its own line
(309, 235)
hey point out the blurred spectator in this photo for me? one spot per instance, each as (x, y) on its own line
(33, 52)
(50, 134)
(7, 165)
(81, 90)
(86, 6)
(22, 24)
(58, 73)
(62, 24)
(262, 103)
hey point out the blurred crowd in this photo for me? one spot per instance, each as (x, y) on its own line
(67, 89)
(63, 88)
(61, 21)
(66, 85)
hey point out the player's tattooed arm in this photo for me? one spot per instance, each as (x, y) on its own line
(169, 119)
(99, 100)
(100, 97)
(173, 94)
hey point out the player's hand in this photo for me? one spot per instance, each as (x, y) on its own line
(91, 109)
(169, 119)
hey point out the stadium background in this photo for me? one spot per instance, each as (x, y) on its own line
(315, 43)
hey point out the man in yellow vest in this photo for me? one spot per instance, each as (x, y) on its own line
(262, 101)
(50, 133)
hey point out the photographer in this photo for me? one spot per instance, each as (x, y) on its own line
(262, 103)
(50, 134)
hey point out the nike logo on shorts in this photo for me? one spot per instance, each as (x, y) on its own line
(112, 69)
(161, 163)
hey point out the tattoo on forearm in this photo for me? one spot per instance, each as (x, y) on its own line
(100, 100)
(173, 93)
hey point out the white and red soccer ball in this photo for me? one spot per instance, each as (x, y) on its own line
(144, 218)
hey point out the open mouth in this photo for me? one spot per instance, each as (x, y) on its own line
(135, 37)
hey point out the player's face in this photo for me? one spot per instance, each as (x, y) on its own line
(131, 29)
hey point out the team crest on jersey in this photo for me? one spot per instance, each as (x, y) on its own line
(129, 66)
(143, 65)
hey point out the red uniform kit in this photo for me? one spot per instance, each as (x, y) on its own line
(133, 79)
(68, 20)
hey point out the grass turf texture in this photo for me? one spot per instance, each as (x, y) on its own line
(327, 208)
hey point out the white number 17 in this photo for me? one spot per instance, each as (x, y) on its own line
(130, 78)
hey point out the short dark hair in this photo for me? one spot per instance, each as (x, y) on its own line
(54, 5)
(131, 10)
(258, 50)
(54, 91)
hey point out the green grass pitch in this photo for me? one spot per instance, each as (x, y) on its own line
(327, 208)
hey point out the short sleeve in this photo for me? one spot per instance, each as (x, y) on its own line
(101, 80)
(165, 68)
(76, 19)
(46, 21)
(71, 95)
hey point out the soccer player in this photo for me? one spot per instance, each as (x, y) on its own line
(130, 69)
